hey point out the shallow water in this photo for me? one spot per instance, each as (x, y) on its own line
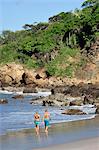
(58, 134)
(18, 114)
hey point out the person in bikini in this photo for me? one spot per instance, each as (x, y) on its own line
(46, 119)
(37, 122)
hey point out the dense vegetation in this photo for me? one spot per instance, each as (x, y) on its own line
(60, 45)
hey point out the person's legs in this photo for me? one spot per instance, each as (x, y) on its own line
(37, 128)
(46, 126)
(46, 129)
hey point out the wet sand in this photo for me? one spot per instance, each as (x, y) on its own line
(86, 144)
(61, 136)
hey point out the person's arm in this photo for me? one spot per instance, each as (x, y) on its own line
(39, 117)
(43, 119)
(49, 116)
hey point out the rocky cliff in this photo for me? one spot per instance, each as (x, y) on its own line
(17, 75)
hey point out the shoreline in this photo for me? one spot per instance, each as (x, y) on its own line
(20, 89)
(93, 117)
(69, 132)
(54, 124)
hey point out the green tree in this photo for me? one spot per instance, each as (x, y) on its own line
(89, 3)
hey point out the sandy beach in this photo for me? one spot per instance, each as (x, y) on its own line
(91, 143)
(75, 135)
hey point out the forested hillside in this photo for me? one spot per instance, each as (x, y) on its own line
(62, 45)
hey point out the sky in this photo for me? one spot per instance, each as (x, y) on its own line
(14, 14)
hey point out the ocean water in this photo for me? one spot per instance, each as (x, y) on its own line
(18, 113)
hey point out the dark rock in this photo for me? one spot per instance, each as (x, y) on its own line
(44, 103)
(73, 90)
(86, 100)
(76, 102)
(95, 93)
(36, 102)
(73, 112)
(29, 90)
(0, 83)
(96, 102)
(18, 97)
(52, 91)
(23, 82)
(97, 110)
(38, 76)
(60, 89)
(52, 100)
(3, 101)
(48, 103)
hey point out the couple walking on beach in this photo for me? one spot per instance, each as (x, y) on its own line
(46, 119)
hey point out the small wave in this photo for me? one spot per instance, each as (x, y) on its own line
(5, 92)
(28, 123)
(83, 106)
(44, 94)
(89, 109)
(21, 113)
(82, 117)
(17, 129)
(18, 92)
(9, 92)
(38, 94)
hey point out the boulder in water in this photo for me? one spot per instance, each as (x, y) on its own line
(30, 90)
(18, 97)
(97, 110)
(73, 112)
(3, 101)
(76, 102)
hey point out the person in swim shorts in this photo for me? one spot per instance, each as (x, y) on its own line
(37, 122)
(46, 120)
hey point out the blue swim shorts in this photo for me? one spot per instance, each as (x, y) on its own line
(36, 122)
(46, 121)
